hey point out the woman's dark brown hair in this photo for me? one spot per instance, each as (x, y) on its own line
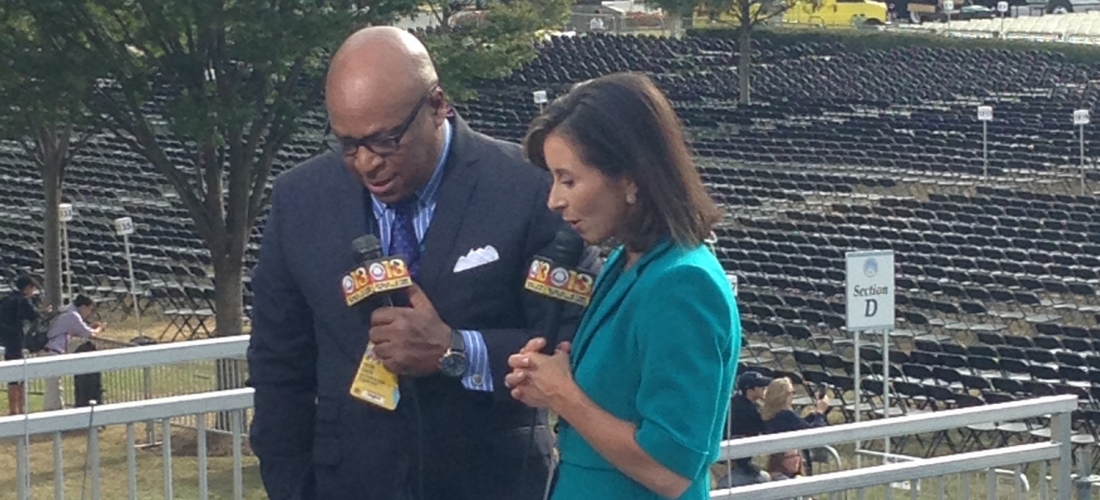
(624, 126)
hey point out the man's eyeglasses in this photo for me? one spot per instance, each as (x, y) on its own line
(381, 144)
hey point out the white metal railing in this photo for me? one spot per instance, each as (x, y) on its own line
(128, 357)
(232, 403)
(1058, 408)
(236, 402)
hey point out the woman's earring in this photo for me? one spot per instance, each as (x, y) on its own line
(630, 199)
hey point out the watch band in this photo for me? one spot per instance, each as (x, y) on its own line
(458, 342)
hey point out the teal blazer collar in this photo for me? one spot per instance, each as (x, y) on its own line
(608, 295)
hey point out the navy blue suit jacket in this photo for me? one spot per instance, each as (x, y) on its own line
(315, 441)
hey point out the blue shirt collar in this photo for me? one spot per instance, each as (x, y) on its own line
(427, 195)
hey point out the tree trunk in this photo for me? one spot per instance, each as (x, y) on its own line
(51, 252)
(228, 296)
(52, 154)
(228, 315)
(744, 65)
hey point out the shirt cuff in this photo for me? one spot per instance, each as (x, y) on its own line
(478, 376)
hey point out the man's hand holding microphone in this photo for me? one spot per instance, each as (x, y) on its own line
(410, 341)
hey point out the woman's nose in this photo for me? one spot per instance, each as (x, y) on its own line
(555, 202)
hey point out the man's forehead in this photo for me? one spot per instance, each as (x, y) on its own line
(361, 114)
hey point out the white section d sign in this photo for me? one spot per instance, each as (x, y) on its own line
(869, 289)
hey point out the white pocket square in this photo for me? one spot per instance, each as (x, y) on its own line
(476, 258)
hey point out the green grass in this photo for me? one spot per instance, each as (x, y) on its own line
(127, 385)
(113, 475)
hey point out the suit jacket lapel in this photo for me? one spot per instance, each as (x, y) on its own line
(455, 192)
(610, 295)
(353, 210)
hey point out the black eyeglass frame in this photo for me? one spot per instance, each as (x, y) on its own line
(383, 144)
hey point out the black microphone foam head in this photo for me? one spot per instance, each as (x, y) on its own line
(366, 247)
(567, 248)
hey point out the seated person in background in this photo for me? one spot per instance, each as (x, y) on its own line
(786, 465)
(745, 421)
(71, 322)
(779, 414)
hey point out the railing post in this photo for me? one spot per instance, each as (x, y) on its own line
(131, 462)
(238, 477)
(166, 452)
(1084, 473)
(1061, 427)
(22, 472)
(93, 463)
(200, 432)
(147, 393)
(58, 468)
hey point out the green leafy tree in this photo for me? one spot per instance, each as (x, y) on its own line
(746, 16)
(474, 42)
(41, 109)
(228, 79)
(232, 78)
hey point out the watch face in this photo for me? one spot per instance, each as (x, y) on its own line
(453, 364)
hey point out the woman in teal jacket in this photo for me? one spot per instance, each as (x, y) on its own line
(643, 390)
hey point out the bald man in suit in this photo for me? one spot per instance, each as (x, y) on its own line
(468, 214)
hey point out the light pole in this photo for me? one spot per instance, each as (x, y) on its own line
(948, 6)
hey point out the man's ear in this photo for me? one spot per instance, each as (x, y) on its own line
(440, 107)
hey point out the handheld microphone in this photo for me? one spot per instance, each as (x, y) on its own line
(381, 276)
(375, 275)
(554, 275)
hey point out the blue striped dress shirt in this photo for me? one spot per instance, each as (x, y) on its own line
(478, 376)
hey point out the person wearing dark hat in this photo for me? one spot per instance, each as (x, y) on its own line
(745, 421)
(15, 309)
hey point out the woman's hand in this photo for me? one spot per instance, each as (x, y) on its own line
(538, 380)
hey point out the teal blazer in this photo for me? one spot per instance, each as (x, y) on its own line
(657, 347)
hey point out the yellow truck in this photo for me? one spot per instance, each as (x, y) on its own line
(816, 13)
(838, 13)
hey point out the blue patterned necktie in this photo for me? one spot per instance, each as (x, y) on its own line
(403, 239)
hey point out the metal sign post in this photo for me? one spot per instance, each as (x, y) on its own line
(1081, 118)
(985, 115)
(1002, 7)
(948, 6)
(124, 226)
(540, 99)
(65, 215)
(869, 292)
